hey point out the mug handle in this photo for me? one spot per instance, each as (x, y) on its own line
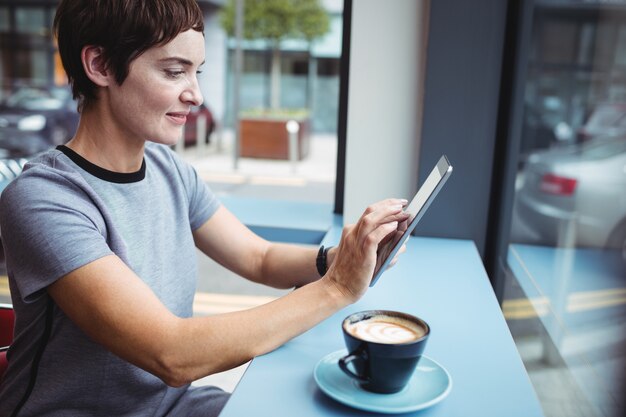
(343, 364)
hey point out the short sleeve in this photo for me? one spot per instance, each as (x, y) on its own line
(50, 227)
(203, 203)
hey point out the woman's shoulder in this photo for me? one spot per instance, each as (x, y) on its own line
(47, 172)
(52, 163)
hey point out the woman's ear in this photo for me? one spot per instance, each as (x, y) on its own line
(94, 65)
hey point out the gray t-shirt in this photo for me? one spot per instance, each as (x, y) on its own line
(62, 213)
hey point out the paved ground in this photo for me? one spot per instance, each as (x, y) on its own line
(312, 179)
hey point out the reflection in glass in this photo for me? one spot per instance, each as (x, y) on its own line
(565, 300)
(4, 19)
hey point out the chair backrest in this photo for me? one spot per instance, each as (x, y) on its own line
(7, 322)
(4, 364)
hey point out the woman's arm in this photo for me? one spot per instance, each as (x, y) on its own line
(226, 240)
(118, 310)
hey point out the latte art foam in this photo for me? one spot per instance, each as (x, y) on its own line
(386, 329)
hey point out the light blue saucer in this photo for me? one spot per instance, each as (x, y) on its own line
(429, 384)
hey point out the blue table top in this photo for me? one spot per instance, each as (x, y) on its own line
(440, 280)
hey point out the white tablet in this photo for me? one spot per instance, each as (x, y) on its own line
(418, 206)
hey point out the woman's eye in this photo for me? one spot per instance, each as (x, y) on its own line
(174, 73)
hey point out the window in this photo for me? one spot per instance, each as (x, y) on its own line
(309, 93)
(306, 89)
(565, 294)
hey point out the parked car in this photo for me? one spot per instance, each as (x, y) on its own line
(191, 127)
(34, 119)
(580, 189)
(607, 120)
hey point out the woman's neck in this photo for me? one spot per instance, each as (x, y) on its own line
(102, 143)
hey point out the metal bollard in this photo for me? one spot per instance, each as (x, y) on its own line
(201, 133)
(293, 128)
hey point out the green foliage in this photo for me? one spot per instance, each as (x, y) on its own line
(275, 20)
(311, 20)
(277, 114)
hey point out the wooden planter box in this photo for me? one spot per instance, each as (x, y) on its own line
(268, 138)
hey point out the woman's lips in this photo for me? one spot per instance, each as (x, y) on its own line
(177, 118)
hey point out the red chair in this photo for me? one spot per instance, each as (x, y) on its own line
(7, 322)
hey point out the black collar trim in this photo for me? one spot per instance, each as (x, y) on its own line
(104, 174)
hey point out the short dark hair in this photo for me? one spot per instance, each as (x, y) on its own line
(123, 28)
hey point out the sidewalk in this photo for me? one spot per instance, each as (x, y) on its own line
(312, 179)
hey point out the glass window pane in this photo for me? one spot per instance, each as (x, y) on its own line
(308, 92)
(565, 296)
(31, 20)
(298, 80)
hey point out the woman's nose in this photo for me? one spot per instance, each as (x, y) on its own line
(192, 94)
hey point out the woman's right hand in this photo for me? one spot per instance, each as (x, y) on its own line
(353, 266)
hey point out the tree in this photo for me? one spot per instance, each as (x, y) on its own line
(274, 21)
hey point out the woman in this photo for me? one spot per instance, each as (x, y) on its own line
(101, 234)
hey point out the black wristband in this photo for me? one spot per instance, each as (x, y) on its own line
(320, 261)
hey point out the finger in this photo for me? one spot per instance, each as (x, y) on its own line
(391, 236)
(372, 240)
(387, 202)
(404, 223)
(397, 256)
(400, 252)
(382, 214)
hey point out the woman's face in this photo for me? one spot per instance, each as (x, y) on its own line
(161, 86)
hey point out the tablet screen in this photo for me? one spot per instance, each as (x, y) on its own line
(416, 208)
